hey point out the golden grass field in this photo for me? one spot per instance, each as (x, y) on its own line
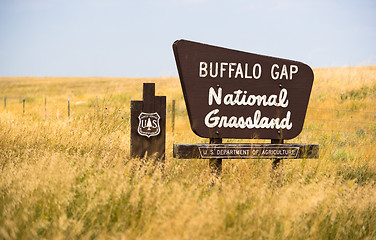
(69, 178)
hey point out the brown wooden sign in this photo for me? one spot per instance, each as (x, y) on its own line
(148, 124)
(234, 94)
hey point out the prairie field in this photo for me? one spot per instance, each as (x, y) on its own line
(72, 177)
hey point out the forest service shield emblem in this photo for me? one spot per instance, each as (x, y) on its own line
(148, 125)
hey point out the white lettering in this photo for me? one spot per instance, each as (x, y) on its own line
(246, 72)
(203, 69)
(228, 99)
(274, 74)
(223, 69)
(284, 72)
(257, 67)
(239, 71)
(283, 102)
(293, 70)
(212, 120)
(285, 122)
(213, 75)
(239, 97)
(230, 69)
(217, 97)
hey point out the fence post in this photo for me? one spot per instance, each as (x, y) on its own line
(173, 117)
(45, 107)
(68, 107)
(5, 101)
(96, 107)
(23, 104)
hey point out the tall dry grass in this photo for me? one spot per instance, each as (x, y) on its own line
(73, 178)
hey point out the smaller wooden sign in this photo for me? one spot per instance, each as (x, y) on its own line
(246, 151)
(148, 124)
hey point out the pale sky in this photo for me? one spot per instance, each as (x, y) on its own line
(121, 38)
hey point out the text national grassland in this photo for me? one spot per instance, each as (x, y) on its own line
(69, 178)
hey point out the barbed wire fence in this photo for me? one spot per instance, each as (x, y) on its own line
(368, 127)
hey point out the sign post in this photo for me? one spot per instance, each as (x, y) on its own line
(235, 94)
(148, 125)
(216, 163)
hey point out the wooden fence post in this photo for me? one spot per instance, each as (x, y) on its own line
(23, 105)
(5, 101)
(45, 107)
(148, 124)
(173, 117)
(96, 110)
(68, 107)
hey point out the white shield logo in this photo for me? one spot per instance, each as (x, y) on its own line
(149, 124)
